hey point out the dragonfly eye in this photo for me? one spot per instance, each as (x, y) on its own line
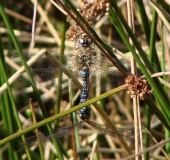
(84, 41)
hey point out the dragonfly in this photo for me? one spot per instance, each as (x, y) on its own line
(64, 131)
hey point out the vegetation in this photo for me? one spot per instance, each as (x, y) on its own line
(31, 104)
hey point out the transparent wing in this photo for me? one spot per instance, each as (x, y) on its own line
(126, 134)
(61, 132)
(46, 68)
(98, 65)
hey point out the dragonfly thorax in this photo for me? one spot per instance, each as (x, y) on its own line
(85, 59)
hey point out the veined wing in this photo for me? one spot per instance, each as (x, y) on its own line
(126, 134)
(47, 68)
(61, 132)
